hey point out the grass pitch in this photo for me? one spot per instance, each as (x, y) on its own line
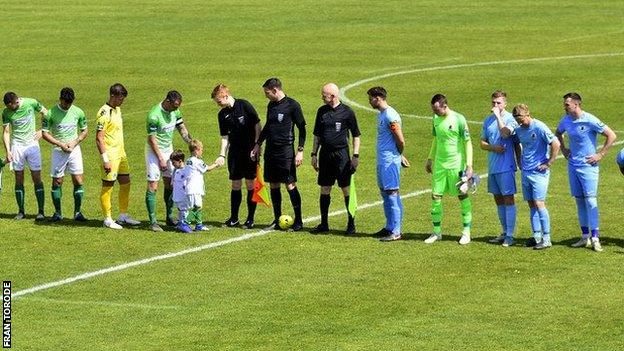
(283, 291)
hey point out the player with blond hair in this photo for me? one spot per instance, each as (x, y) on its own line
(539, 151)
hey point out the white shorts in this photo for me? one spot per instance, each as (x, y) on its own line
(62, 160)
(26, 155)
(190, 202)
(153, 166)
(195, 200)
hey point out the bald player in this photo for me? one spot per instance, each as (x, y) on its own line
(334, 122)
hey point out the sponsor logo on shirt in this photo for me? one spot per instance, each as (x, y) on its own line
(22, 121)
(168, 128)
(338, 126)
(66, 127)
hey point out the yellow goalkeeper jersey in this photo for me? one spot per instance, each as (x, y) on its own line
(109, 120)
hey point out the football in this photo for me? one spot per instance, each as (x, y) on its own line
(285, 222)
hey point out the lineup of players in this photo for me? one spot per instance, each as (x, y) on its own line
(512, 140)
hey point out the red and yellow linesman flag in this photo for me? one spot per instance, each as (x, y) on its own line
(260, 192)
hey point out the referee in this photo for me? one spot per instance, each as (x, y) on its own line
(334, 121)
(240, 128)
(280, 160)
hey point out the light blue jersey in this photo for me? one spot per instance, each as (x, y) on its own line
(387, 151)
(620, 158)
(505, 162)
(388, 156)
(535, 140)
(582, 133)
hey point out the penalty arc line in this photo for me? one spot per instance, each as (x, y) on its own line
(343, 90)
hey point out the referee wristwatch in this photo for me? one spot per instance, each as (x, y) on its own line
(300, 148)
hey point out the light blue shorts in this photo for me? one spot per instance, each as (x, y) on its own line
(583, 181)
(535, 185)
(502, 183)
(389, 175)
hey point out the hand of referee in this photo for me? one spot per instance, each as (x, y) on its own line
(314, 161)
(299, 158)
(255, 153)
(355, 161)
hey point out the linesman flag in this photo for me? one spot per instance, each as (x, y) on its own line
(352, 197)
(260, 192)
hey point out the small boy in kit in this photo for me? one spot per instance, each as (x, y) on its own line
(188, 185)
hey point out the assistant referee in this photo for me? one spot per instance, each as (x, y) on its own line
(280, 160)
(334, 121)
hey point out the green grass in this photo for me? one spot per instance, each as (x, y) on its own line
(285, 291)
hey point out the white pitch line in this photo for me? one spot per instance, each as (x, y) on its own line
(343, 90)
(591, 36)
(412, 65)
(162, 257)
(104, 303)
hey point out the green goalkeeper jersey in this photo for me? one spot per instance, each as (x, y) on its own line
(162, 124)
(451, 133)
(64, 125)
(22, 121)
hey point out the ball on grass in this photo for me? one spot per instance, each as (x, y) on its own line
(285, 222)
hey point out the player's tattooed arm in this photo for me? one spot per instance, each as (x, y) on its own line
(184, 133)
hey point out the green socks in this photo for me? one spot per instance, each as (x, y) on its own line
(150, 202)
(197, 212)
(40, 193)
(57, 193)
(167, 195)
(19, 197)
(78, 194)
(466, 212)
(436, 215)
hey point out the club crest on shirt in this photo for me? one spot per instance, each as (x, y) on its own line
(582, 129)
(533, 135)
(280, 117)
(241, 119)
(338, 126)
